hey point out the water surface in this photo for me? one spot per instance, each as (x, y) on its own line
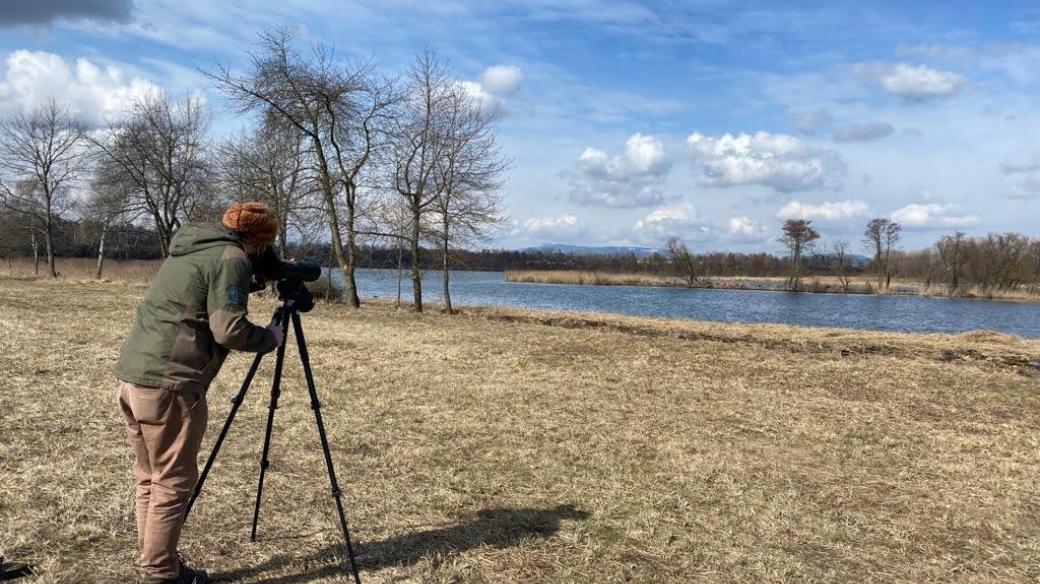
(858, 311)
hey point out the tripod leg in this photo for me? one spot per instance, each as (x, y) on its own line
(316, 406)
(276, 391)
(235, 403)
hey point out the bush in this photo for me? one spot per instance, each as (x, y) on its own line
(323, 290)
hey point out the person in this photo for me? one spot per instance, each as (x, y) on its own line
(193, 315)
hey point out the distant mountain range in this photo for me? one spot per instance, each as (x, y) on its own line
(594, 250)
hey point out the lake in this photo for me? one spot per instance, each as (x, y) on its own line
(857, 311)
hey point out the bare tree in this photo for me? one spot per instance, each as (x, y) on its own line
(359, 125)
(394, 220)
(335, 107)
(417, 148)
(43, 153)
(684, 263)
(952, 251)
(107, 208)
(798, 236)
(159, 154)
(880, 236)
(841, 263)
(268, 164)
(469, 173)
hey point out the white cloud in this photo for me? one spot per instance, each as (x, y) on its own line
(94, 92)
(779, 161)
(863, 132)
(502, 80)
(680, 219)
(477, 93)
(744, 226)
(931, 215)
(828, 210)
(632, 179)
(554, 227)
(495, 85)
(913, 83)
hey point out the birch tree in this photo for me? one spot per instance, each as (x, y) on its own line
(159, 155)
(469, 173)
(417, 147)
(43, 154)
(107, 208)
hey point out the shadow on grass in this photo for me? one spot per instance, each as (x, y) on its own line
(499, 528)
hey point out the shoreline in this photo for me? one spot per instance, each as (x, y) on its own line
(598, 320)
(434, 306)
(739, 283)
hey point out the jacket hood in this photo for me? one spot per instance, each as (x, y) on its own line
(197, 237)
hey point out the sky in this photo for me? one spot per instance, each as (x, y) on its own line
(627, 122)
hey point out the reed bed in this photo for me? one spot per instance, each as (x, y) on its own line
(83, 269)
(822, 284)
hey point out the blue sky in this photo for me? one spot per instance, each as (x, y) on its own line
(631, 121)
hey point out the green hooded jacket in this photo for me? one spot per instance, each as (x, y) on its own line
(194, 314)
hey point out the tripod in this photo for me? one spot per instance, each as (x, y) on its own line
(289, 311)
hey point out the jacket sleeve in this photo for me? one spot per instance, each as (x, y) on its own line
(227, 303)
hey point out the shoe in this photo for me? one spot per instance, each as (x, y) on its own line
(12, 570)
(185, 575)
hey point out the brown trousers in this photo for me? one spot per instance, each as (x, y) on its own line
(165, 430)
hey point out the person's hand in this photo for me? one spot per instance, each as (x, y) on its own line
(279, 333)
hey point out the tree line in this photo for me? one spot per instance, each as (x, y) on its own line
(996, 262)
(342, 152)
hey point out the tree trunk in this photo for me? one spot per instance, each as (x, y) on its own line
(36, 252)
(349, 280)
(328, 289)
(880, 266)
(888, 262)
(444, 265)
(416, 272)
(162, 232)
(101, 252)
(49, 241)
(797, 269)
(400, 272)
(345, 262)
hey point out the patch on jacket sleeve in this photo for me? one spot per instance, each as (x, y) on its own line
(237, 296)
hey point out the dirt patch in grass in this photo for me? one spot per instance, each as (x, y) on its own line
(490, 447)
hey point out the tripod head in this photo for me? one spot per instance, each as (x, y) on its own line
(290, 277)
(293, 292)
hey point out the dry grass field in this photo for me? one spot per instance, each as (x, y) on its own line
(507, 446)
(84, 269)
